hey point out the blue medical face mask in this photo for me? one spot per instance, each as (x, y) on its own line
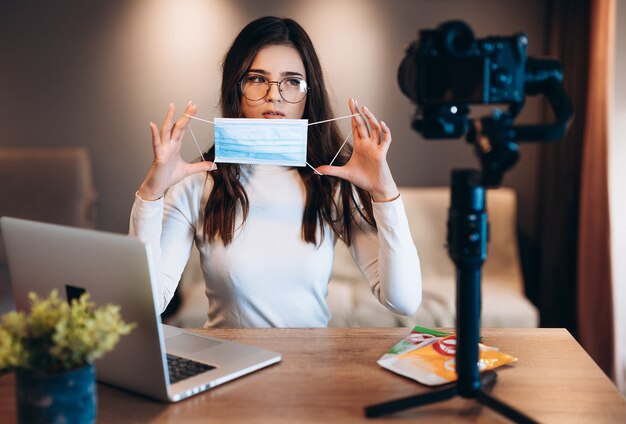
(262, 141)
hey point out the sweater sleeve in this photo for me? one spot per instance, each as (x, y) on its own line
(166, 225)
(388, 259)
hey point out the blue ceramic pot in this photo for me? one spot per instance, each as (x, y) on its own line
(67, 397)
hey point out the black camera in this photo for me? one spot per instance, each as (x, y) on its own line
(448, 69)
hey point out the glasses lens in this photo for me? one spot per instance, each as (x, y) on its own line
(293, 90)
(254, 87)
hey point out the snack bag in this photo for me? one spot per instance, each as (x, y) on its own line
(418, 337)
(435, 364)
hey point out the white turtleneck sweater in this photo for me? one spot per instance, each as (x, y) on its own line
(268, 276)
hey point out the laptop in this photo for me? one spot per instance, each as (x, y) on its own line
(155, 360)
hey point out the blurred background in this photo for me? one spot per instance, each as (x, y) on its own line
(94, 74)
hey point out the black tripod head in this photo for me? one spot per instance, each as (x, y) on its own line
(447, 69)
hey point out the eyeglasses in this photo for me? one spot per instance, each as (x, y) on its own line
(256, 87)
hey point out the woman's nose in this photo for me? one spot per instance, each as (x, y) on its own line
(273, 94)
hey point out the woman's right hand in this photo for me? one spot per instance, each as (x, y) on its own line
(168, 167)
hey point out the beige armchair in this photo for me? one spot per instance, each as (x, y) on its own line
(503, 301)
(44, 184)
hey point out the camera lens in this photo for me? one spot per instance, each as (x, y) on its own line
(407, 73)
(456, 38)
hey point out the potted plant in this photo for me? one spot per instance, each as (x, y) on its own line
(53, 349)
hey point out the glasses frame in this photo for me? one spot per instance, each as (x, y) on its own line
(269, 87)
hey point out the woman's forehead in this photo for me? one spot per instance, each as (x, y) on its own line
(278, 60)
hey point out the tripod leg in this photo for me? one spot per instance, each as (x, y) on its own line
(488, 379)
(504, 409)
(390, 407)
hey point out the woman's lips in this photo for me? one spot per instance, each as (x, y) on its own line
(273, 115)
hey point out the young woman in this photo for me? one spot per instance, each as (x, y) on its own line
(266, 234)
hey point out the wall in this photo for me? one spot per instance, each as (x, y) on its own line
(95, 73)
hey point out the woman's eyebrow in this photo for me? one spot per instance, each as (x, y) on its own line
(282, 74)
(291, 74)
(258, 71)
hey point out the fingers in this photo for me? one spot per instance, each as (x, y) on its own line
(179, 127)
(204, 166)
(156, 139)
(333, 171)
(173, 130)
(374, 125)
(386, 139)
(168, 122)
(358, 124)
(375, 132)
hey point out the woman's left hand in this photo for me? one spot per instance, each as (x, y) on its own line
(367, 167)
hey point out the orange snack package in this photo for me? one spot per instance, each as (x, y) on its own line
(435, 363)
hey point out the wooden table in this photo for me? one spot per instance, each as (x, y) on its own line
(329, 375)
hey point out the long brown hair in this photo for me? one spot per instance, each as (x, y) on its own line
(324, 140)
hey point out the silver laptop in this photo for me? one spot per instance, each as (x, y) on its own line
(116, 269)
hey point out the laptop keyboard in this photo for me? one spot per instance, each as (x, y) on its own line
(182, 368)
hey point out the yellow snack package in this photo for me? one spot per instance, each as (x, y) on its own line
(435, 363)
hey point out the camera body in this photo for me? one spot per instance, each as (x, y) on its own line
(448, 69)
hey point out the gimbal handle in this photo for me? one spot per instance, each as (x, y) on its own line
(544, 76)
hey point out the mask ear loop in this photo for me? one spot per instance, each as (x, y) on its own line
(196, 141)
(313, 168)
(342, 145)
(194, 136)
(340, 149)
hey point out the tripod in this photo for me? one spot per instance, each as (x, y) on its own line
(495, 140)
(443, 113)
(467, 247)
